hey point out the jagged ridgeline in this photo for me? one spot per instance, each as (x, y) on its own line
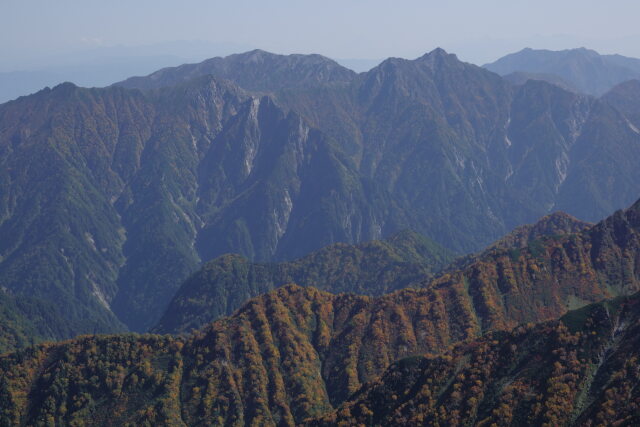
(373, 268)
(297, 352)
(110, 198)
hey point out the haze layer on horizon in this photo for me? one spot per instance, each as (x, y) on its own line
(35, 33)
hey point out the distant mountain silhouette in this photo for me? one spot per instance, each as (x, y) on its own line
(583, 69)
(256, 70)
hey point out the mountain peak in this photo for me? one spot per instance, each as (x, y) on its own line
(437, 54)
(255, 55)
(64, 87)
(255, 70)
(635, 207)
(585, 69)
(431, 58)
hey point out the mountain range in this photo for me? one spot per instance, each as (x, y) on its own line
(325, 247)
(372, 268)
(110, 198)
(297, 353)
(582, 70)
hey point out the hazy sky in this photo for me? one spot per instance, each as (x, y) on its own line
(477, 30)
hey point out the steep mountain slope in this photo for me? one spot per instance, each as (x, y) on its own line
(106, 190)
(584, 69)
(420, 130)
(527, 151)
(607, 138)
(110, 198)
(25, 321)
(256, 70)
(625, 97)
(549, 226)
(580, 371)
(16, 331)
(61, 237)
(374, 268)
(72, 159)
(298, 352)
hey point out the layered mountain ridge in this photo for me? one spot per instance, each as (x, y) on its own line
(373, 268)
(256, 70)
(583, 69)
(296, 353)
(579, 371)
(110, 198)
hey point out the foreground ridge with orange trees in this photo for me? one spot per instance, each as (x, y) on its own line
(297, 353)
(552, 225)
(374, 268)
(506, 287)
(583, 370)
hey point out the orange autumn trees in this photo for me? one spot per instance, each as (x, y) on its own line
(580, 371)
(298, 353)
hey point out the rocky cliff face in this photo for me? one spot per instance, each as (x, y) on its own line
(110, 198)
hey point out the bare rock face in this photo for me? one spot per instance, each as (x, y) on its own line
(199, 166)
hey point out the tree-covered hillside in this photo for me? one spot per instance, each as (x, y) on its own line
(111, 198)
(297, 353)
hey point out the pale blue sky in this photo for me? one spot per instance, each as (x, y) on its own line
(477, 30)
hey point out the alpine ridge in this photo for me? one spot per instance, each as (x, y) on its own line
(297, 353)
(373, 268)
(256, 70)
(579, 371)
(110, 198)
(582, 69)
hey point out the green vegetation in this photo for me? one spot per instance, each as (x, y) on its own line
(546, 375)
(297, 353)
(372, 268)
(15, 330)
(110, 198)
(25, 321)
